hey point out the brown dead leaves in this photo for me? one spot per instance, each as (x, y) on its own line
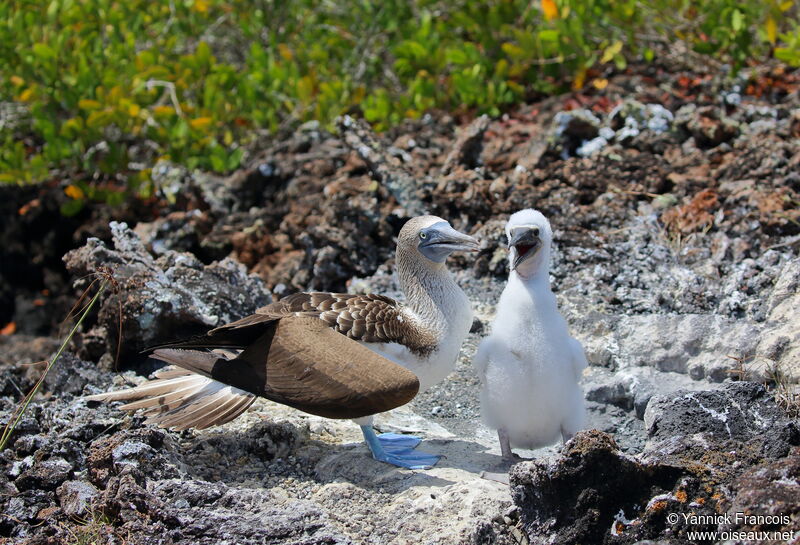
(696, 215)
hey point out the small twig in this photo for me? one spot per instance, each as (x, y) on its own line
(169, 88)
(81, 298)
(793, 240)
(616, 189)
(31, 364)
(15, 519)
(74, 310)
(108, 274)
(14, 384)
(170, 20)
(553, 60)
(15, 418)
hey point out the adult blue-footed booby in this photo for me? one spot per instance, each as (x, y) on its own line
(331, 354)
(529, 366)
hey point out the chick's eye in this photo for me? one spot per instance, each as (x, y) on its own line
(536, 231)
(423, 235)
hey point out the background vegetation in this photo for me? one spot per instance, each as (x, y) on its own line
(100, 91)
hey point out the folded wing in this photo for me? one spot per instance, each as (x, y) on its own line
(297, 360)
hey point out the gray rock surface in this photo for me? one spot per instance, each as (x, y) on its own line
(739, 411)
(156, 300)
(75, 498)
(779, 343)
(707, 346)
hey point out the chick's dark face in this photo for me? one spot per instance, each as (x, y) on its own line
(526, 243)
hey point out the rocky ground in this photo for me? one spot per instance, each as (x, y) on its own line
(675, 201)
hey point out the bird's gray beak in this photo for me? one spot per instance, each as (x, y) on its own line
(526, 241)
(441, 240)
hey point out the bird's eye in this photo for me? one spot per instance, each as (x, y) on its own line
(423, 235)
(536, 231)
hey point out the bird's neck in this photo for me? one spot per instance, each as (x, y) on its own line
(524, 296)
(430, 291)
(534, 279)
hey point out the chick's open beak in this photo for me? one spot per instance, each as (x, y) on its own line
(526, 242)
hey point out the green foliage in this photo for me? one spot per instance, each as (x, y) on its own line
(732, 30)
(108, 88)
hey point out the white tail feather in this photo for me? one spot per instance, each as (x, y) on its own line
(181, 399)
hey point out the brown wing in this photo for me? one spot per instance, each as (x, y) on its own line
(299, 351)
(301, 362)
(368, 318)
(298, 361)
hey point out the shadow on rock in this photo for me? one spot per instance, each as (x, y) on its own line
(460, 460)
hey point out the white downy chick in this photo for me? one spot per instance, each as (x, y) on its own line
(529, 366)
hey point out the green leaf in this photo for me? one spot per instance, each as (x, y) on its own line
(705, 48)
(99, 119)
(218, 158)
(456, 56)
(203, 54)
(52, 10)
(72, 207)
(44, 51)
(787, 55)
(115, 198)
(611, 51)
(513, 50)
(235, 159)
(180, 130)
(737, 20)
(411, 49)
(548, 35)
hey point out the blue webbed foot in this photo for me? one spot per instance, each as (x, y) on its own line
(392, 442)
(398, 450)
(410, 459)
